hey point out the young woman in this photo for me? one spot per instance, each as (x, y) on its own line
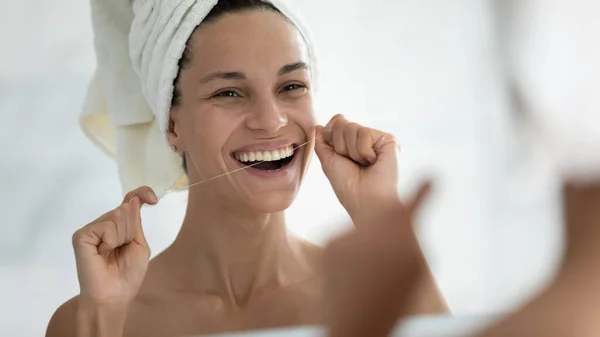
(243, 94)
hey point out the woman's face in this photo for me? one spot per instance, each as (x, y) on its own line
(245, 97)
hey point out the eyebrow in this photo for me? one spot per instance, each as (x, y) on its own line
(289, 68)
(239, 76)
(224, 75)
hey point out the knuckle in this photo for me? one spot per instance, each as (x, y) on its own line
(337, 116)
(339, 122)
(143, 192)
(354, 125)
(128, 196)
(76, 237)
(140, 191)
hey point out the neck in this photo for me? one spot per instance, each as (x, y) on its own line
(232, 253)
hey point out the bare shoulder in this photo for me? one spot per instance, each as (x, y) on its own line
(62, 322)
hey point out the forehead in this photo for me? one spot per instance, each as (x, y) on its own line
(249, 40)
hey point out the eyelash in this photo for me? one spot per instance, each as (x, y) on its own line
(228, 92)
(225, 93)
(295, 86)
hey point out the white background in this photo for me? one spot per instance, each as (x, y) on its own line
(427, 71)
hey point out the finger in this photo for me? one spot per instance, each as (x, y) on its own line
(419, 198)
(120, 216)
(339, 142)
(325, 136)
(132, 214)
(333, 119)
(100, 237)
(136, 222)
(145, 193)
(365, 144)
(351, 138)
(109, 242)
(327, 129)
(323, 150)
(123, 218)
(383, 142)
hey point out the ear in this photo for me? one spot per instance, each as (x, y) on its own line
(172, 134)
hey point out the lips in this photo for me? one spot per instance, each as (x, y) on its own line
(267, 157)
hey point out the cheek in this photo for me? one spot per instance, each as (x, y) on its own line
(207, 132)
(305, 116)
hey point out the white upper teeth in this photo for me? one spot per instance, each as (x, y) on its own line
(265, 155)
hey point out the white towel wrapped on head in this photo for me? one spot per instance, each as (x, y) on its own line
(126, 110)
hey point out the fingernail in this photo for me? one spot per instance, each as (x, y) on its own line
(152, 197)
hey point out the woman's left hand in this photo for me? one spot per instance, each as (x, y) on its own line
(361, 165)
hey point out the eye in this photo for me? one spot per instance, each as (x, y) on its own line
(294, 86)
(226, 94)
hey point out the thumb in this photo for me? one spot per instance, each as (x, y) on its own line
(323, 150)
(419, 197)
(384, 145)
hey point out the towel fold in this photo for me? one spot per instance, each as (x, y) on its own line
(138, 45)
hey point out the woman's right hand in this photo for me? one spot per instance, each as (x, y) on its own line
(112, 254)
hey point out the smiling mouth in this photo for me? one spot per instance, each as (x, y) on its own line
(267, 160)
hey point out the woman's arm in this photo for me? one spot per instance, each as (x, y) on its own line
(428, 298)
(374, 275)
(112, 256)
(62, 323)
(425, 297)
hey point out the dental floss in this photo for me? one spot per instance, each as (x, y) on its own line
(231, 172)
(247, 167)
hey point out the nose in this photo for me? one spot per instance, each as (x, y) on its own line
(266, 116)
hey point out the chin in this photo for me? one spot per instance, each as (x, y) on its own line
(273, 202)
